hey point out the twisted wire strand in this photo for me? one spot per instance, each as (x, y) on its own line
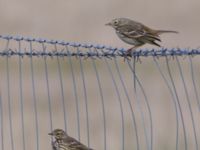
(101, 50)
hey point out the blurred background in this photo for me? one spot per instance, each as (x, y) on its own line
(84, 22)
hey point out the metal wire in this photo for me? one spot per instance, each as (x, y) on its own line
(9, 99)
(76, 96)
(68, 50)
(178, 102)
(129, 102)
(48, 89)
(173, 99)
(120, 103)
(193, 81)
(102, 50)
(147, 103)
(21, 97)
(102, 103)
(188, 102)
(61, 89)
(34, 99)
(85, 99)
(1, 122)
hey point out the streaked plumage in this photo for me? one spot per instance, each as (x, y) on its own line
(135, 33)
(65, 142)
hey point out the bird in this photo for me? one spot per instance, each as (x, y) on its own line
(136, 33)
(64, 142)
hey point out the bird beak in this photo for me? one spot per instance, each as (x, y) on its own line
(50, 134)
(108, 24)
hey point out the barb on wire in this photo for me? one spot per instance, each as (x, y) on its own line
(31, 48)
(93, 50)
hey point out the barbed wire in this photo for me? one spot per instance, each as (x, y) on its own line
(36, 47)
(94, 50)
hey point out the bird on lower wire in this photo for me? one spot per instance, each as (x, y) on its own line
(65, 142)
(135, 33)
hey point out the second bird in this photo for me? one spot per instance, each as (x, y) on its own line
(135, 33)
(65, 142)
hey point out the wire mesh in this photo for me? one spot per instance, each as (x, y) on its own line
(149, 101)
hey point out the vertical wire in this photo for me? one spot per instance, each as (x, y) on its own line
(48, 89)
(85, 99)
(193, 81)
(1, 121)
(9, 98)
(62, 89)
(173, 100)
(138, 104)
(34, 98)
(143, 118)
(102, 102)
(178, 102)
(129, 102)
(147, 103)
(188, 101)
(21, 95)
(75, 94)
(134, 68)
(119, 100)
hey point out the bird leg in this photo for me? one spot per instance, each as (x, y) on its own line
(129, 52)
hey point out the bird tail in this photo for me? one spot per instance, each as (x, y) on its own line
(164, 31)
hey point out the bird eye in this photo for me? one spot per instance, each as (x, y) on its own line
(115, 22)
(58, 134)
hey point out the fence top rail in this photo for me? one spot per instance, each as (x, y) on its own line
(90, 50)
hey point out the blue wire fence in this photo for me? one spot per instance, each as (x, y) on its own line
(95, 96)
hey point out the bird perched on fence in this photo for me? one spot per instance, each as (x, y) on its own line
(135, 33)
(65, 142)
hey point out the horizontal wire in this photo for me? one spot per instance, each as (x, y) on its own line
(96, 50)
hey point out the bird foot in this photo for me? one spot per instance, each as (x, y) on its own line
(128, 54)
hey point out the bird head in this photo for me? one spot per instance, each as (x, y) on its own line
(59, 134)
(118, 22)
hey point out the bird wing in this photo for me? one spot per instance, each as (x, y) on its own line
(76, 145)
(139, 31)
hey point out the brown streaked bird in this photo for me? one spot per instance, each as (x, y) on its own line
(65, 142)
(135, 33)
